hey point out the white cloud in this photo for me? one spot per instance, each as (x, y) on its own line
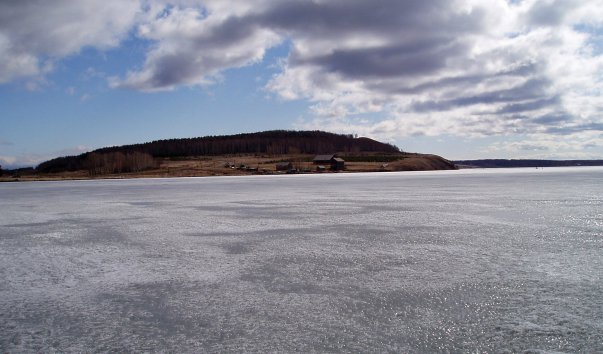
(15, 64)
(33, 33)
(32, 160)
(7, 160)
(193, 45)
(23, 160)
(582, 145)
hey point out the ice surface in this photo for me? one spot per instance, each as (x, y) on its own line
(460, 261)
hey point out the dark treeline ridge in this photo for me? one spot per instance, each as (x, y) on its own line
(501, 163)
(277, 142)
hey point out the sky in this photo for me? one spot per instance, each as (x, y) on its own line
(464, 79)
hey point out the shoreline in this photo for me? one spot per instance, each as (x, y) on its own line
(247, 165)
(151, 176)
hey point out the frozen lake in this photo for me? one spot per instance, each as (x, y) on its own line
(457, 261)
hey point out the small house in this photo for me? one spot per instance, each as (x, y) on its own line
(335, 162)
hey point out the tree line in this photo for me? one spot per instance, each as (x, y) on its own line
(131, 158)
(118, 162)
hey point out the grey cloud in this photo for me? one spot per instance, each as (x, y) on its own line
(555, 118)
(336, 16)
(398, 87)
(524, 69)
(172, 69)
(195, 57)
(575, 128)
(423, 36)
(177, 69)
(409, 59)
(531, 89)
(386, 17)
(33, 33)
(531, 106)
(232, 30)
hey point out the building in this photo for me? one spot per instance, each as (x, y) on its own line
(335, 162)
(323, 159)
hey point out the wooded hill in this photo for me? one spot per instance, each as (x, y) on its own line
(137, 157)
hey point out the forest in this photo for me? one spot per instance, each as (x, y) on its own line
(137, 157)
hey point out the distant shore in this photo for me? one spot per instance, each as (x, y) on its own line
(506, 163)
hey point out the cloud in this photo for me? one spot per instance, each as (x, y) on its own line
(11, 162)
(482, 69)
(516, 76)
(578, 145)
(32, 160)
(7, 161)
(193, 47)
(387, 68)
(34, 33)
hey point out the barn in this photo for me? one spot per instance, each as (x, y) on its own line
(335, 162)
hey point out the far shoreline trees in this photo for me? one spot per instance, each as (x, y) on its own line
(118, 162)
